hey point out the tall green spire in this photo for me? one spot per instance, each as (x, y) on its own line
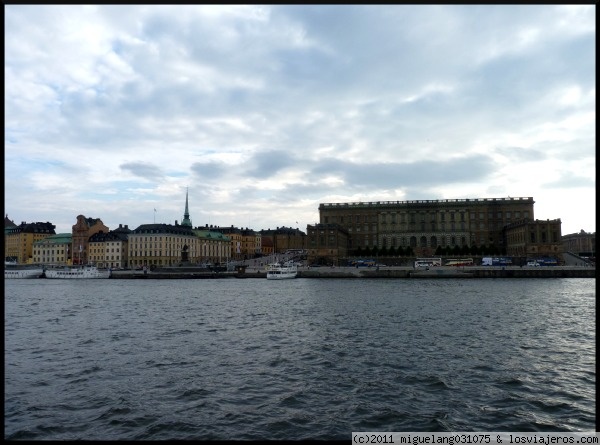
(186, 216)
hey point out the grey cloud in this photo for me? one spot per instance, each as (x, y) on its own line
(268, 163)
(209, 170)
(397, 174)
(143, 170)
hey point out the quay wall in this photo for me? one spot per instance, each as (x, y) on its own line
(384, 272)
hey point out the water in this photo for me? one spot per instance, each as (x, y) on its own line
(296, 359)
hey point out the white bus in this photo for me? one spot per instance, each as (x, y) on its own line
(427, 262)
(459, 262)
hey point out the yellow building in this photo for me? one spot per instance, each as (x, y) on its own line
(53, 250)
(110, 250)
(18, 240)
(285, 238)
(156, 245)
(215, 247)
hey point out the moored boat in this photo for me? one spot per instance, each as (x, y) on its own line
(77, 273)
(22, 272)
(278, 271)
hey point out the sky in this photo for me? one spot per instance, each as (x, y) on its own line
(263, 112)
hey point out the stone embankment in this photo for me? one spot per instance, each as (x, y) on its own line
(382, 272)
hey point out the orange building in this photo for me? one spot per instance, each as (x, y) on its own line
(82, 230)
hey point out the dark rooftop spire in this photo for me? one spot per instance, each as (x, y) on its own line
(186, 216)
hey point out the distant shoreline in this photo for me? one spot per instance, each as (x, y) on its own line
(382, 272)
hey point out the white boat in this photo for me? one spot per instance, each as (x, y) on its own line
(77, 272)
(22, 272)
(278, 271)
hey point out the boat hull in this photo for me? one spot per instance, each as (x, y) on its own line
(281, 276)
(75, 274)
(22, 273)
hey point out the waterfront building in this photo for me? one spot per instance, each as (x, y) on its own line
(534, 239)
(18, 240)
(8, 223)
(155, 245)
(235, 238)
(54, 250)
(285, 238)
(251, 243)
(424, 225)
(327, 244)
(582, 243)
(215, 246)
(245, 243)
(110, 250)
(82, 230)
(266, 245)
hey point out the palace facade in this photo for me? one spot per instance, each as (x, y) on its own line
(424, 225)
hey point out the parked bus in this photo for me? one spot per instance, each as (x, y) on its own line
(363, 263)
(428, 262)
(459, 262)
(547, 261)
(496, 261)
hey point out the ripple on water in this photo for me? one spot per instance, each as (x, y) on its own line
(310, 359)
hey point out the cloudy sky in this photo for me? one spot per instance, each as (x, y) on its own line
(264, 112)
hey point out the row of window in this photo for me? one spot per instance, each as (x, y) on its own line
(412, 217)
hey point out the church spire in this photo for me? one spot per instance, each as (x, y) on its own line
(186, 216)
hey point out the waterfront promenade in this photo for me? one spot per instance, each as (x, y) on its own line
(374, 272)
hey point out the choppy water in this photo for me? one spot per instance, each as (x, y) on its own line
(296, 359)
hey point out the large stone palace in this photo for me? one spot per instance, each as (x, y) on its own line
(424, 225)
